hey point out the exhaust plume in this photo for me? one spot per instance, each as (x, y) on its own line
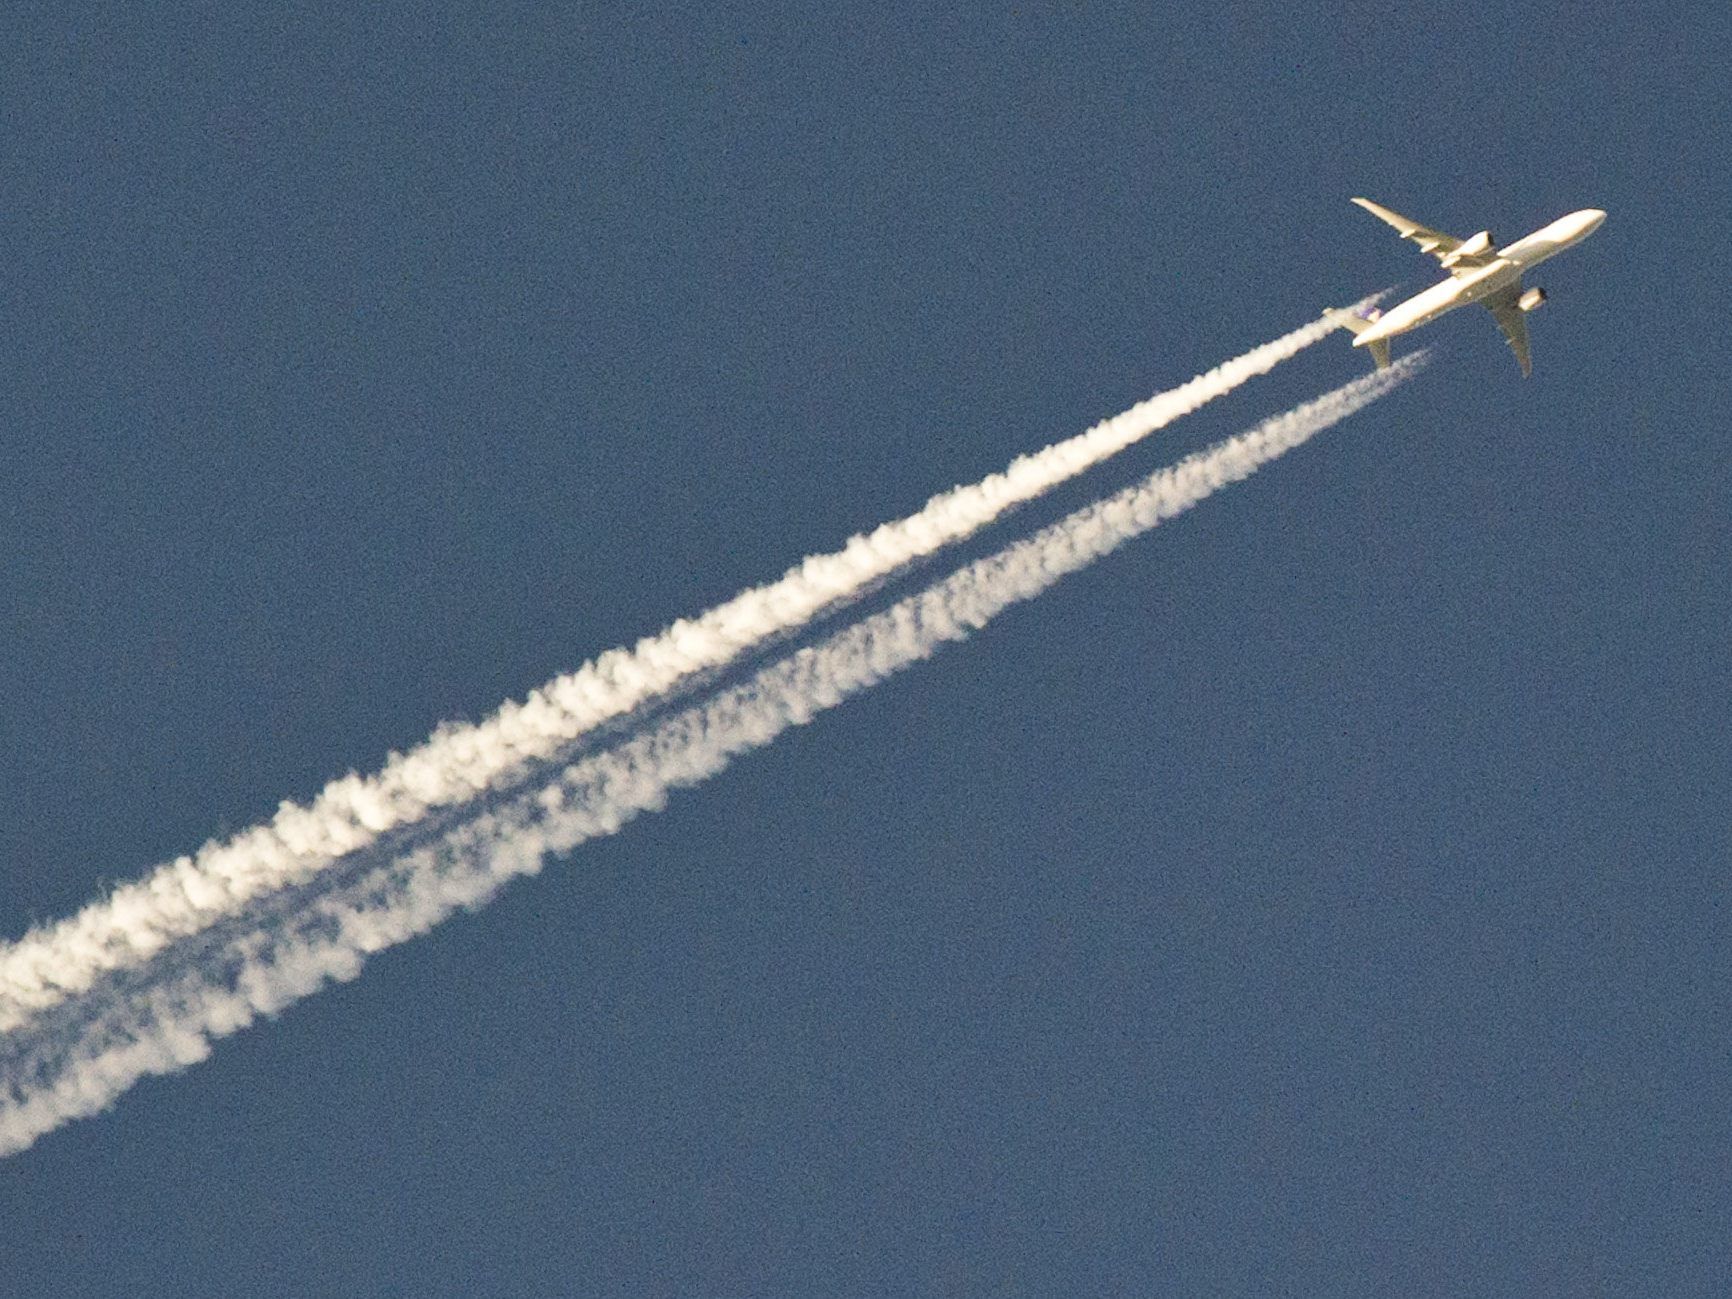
(170, 1018)
(138, 920)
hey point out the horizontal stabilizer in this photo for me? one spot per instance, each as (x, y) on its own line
(1352, 323)
(1358, 323)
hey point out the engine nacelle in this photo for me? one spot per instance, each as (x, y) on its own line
(1478, 246)
(1532, 300)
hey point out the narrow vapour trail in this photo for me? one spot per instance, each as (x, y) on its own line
(459, 762)
(171, 1021)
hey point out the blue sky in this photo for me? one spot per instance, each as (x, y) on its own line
(1325, 894)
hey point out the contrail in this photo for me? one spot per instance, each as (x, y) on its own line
(137, 920)
(171, 1020)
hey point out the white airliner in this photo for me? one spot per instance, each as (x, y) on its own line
(1479, 272)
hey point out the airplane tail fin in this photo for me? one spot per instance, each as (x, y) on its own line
(1358, 323)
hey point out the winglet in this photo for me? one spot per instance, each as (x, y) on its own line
(1384, 214)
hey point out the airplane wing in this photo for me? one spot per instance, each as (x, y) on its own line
(1430, 241)
(1456, 254)
(1514, 323)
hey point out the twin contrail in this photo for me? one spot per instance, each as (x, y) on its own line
(138, 920)
(168, 1018)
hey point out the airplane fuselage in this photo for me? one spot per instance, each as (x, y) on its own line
(1481, 282)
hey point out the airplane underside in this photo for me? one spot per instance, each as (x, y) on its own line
(1479, 272)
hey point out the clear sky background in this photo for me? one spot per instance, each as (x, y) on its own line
(1327, 894)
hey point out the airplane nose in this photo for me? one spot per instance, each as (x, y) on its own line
(1591, 217)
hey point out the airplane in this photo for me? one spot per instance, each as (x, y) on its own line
(1479, 272)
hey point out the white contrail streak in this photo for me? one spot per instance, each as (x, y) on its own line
(172, 1020)
(183, 897)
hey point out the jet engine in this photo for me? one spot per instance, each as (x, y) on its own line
(1478, 246)
(1532, 300)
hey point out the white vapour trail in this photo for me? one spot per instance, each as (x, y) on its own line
(171, 1022)
(185, 896)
